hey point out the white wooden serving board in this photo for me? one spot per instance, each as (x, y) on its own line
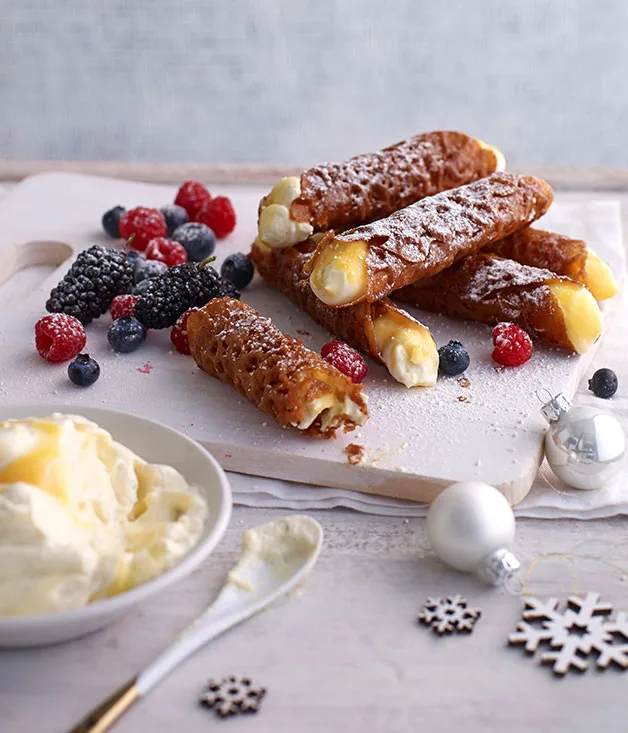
(417, 441)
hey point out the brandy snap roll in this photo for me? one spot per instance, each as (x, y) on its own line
(381, 330)
(487, 288)
(562, 255)
(373, 185)
(371, 261)
(276, 373)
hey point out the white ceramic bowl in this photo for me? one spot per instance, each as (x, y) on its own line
(154, 443)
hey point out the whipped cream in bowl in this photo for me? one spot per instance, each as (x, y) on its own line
(98, 511)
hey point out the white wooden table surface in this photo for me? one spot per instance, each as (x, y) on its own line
(346, 654)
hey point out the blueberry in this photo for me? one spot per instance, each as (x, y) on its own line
(175, 216)
(84, 370)
(142, 286)
(111, 221)
(133, 256)
(603, 383)
(237, 268)
(148, 269)
(198, 240)
(126, 334)
(453, 359)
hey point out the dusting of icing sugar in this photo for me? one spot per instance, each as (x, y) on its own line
(373, 185)
(496, 274)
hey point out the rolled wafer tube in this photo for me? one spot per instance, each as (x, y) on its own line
(562, 255)
(275, 372)
(370, 261)
(381, 330)
(373, 185)
(487, 288)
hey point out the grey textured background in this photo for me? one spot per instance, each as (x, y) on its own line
(295, 81)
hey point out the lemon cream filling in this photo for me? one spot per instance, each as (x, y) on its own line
(82, 517)
(600, 280)
(582, 315)
(330, 408)
(275, 226)
(339, 275)
(407, 348)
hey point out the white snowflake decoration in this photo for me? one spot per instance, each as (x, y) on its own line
(446, 615)
(586, 626)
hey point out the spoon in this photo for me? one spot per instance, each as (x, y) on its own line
(275, 557)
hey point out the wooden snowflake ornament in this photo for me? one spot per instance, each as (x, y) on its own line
(586, 627)
(231, 696)
(446, 615)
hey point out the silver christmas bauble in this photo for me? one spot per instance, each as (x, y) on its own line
(584, 446)
(470, 526)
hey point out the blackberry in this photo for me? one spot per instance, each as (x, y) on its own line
(97, 275)
(190, 285)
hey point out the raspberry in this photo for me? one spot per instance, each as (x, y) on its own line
(123, 305)
(218, 215)
(165, 250)
(59, 337)
(513, 346)
(191, 196)
(345, 359)
(145, 223)
(179, 332)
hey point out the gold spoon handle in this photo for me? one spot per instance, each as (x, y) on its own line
(105, 715)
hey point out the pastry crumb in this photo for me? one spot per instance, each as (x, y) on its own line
(464, 382)
(462, 398)
(355, 453)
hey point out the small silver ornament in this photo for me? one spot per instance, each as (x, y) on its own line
(584, 446)
(470, 527)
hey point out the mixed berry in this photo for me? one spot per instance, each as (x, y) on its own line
(453, 359)
(219, 215)
(111, 221)
(604, 383)
(84, 370)
(155, 281)
(238, 269)
(346, 360)
(123, 305)
(198, 240)
(191, 197)
(166, 251)
(59, 337)
(126, 334)
(181, 287)
(179, 332)
(513, 346)
(86, 292)
(143, 224)
(175, 216)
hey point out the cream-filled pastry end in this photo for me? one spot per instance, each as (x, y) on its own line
(339, 275)
(583, 319)
(407, 348)
(275, 226)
